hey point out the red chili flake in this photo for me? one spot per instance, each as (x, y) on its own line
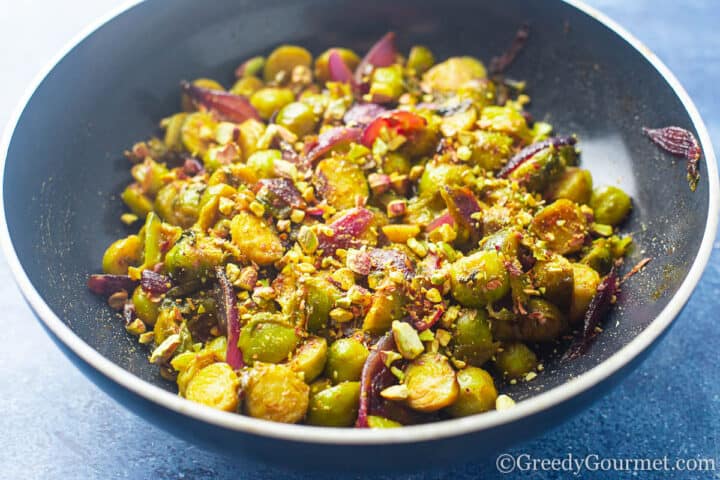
(681, 143)
(638, 266)
(501, 63)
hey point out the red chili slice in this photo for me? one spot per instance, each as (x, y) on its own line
(398, 122)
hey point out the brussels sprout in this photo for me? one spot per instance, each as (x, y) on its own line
(490, 150)
(345, 360)
(121, 254)
(562, 226)
(136, 200)
(340, 182)
(250, 132)
(420, 59)
(541, 169)
(256, 239)
(322, 71)
(381, 422)
(554, 278)
(173, 131)
(472, 340)
(543, 322)
(586, 281)
(610, 204)
(386, 84)
(262, 162)
(198, 132)
(219, 155)
(276, 393)
(268, 339)
(431, 383)
(387, 305)
(335, 406)
(215, 386)
(269, 100)
(192, 257)
(146, 307)
(477, 393)
(453, 73)
(437, 175)
(505, 120)
(309, 358)
(395, 162)
(297, 117)
(515, 360)
(479, 279)
(599, 256)
(574, 184)
(283, 60)
(320, 299)
(246, 86)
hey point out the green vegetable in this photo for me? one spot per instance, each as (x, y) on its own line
(515, 360)
(275, 392)
(297, 117)
(610, 204)
(335, 406)
(479, 279)
(345, 361)
(472, 340)
(269, 100)
(420, 59)
(477, 393)
(267, 339)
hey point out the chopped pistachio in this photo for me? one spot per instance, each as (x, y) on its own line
(417, 247)
(136, 327)
(398, 373)
(117, 300)
(407, 340)
(307, 239)
(503, 402)
(341, 315)
(128, 218)
(395, 392)
(165, 350)
(443, 337)
(257, 208)
(146, 338)
(297, 216)
(426, 336)
(433, 295)
(390, 357)
(344, 277)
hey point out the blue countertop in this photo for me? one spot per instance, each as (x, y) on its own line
(56, 424)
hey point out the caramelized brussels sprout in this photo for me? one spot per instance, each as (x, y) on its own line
(453, 73)
(575, 184)
(436, 175)
(297, 117)
(256, 239)
(335, 406)
(269, 100)
(477, 393)
(345, 360)
(431, 383)
(215, 386)
(515, 360)
(121, 254)
(276, 393)
(193, 257)
(387, 84)
(320, 299)
(586, 281)
(262, 162)
(310, 357)
(472, 340)
(554, 279)
(198, 132)
(562, 226)
(340, 182)
(136, 200)
(375, 421)
(490, 150)
(283, 60)
(387, 305)
(146, 307)
(543, 322)
(479, 279)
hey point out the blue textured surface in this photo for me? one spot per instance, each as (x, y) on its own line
(56, 424)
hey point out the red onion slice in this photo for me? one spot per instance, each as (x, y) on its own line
(382, 54)
(228, 311)
(107, 284)
(331, 138)
(233, 108)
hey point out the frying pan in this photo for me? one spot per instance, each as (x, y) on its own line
(63, 171)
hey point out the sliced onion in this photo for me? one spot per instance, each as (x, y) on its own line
(155, 283)
(382, 54)
(346, 230)
(329, 139)
(338, 69)
(107, 284)
(462, 206)
(531, 150)
(233, 108)
(444, 219)
(373, 369)
(228, 311)
(362, 114)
